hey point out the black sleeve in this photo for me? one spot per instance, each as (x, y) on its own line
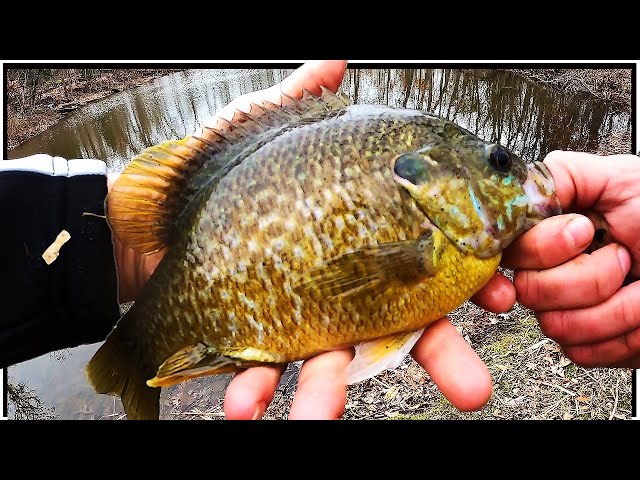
(73, 300)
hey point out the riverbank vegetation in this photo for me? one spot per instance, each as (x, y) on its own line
(39, 97)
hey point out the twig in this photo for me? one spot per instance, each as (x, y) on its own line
(537, 345)
(89, 214)
(381, 383)
(548, 409)
(558, 386)
(615, 403)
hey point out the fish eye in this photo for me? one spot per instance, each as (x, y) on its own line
(500, 159)
(412, 167)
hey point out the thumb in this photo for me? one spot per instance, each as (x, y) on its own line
(553, 241)
(581, 179)
(313, 74)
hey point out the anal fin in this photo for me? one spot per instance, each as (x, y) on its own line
(191, 362)
(378, 355)
(199, 361)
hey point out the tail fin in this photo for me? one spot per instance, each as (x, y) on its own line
(116, 368)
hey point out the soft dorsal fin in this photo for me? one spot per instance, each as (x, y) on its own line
(153, 190)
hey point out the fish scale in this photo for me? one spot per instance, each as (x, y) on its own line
(303, 239)
(212, 225)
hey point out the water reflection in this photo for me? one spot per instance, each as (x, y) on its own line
(496, 105)
(171, 107)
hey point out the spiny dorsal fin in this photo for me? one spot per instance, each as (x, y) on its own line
(146, 200)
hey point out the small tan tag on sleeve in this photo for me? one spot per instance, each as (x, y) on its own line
(51, 253)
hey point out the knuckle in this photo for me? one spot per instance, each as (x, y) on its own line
(604, 286)
(581, 355)
(554, 324)
(632, 343)
(526, 286)
(606, 280)
(539, 250)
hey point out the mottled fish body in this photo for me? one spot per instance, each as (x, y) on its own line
(303, 229)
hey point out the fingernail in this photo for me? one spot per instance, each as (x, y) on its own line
(581, 231)
(260, 408)
(625, 259)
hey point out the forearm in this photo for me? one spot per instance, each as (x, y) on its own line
(73, 300)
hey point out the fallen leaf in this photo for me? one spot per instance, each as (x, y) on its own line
(564, 361)
(390, 395)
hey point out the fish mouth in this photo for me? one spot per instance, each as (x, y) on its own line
(541, 193)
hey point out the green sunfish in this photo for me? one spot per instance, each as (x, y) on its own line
(303, 228)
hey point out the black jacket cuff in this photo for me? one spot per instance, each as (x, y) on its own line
(73, 300)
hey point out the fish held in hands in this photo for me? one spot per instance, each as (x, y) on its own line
(301, 228)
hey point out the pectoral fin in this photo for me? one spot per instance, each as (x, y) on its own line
(378, 355)
(370, 270)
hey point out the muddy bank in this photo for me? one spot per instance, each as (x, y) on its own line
(607, 85)
(36, 99)
(610, 85)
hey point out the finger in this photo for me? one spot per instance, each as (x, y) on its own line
(580, 178)
(453, 365)
(549, 243)
(498, 295)
(585, 181)
(313, 74)
(617, 316)
(622, 351)
(310, 76)
(585, 281)
(322, 387)
(632, 362)
(250, 392)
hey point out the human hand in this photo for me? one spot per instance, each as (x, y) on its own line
(321, 392)
(579, 298)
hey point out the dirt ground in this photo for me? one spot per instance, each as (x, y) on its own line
(532, 378)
